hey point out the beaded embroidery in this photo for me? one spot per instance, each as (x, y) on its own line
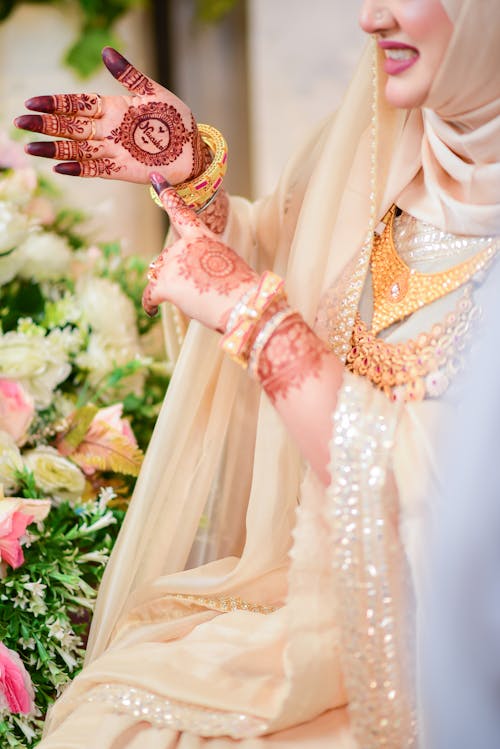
(224, 603)
(371, 577)
(161, 712)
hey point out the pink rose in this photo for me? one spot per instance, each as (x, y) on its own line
(16, 689)
(112, 416)
(13, 526)
(16, 409)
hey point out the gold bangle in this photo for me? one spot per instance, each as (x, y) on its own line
(197, 192)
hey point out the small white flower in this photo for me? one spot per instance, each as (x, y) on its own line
(106, 494)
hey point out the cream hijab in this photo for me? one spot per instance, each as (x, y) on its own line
(218, 443)
(458, 187)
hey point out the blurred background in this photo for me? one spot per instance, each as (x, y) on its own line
(262, 72)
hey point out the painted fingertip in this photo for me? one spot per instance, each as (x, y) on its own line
(71, 168)
(31, 122)
(159, 182)
(40, 104)
(47, 149)
(114, 61)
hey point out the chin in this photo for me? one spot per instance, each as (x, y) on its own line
(403, 95)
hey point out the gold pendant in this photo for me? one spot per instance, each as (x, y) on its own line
(398, 290)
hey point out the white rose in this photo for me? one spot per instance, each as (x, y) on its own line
(108, 310)
(54, 474)
(45, 256)
(14, 228)
(39, 362)
(10, 461)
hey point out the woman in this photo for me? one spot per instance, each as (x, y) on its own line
(306, 608)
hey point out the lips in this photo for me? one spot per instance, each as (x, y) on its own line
(398, 56)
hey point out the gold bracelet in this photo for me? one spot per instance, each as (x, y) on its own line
(199, 191)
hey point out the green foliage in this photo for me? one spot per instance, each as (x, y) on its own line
(211, 11)
(45, 605)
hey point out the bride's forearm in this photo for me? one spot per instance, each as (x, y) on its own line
(302, 378)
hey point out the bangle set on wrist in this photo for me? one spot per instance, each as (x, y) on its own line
(198, 193)
(248, 330)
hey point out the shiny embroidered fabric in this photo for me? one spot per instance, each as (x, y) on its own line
(180, 716)
(372, 588)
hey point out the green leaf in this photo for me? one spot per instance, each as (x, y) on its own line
(84, 56)
(211, 11)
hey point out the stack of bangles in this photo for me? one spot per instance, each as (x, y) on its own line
(200, 192)
(254, 319)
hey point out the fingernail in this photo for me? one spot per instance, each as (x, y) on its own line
(114, 61)
(31, 122)
(72, 168)
(40, 104)
(42, 148)
(151, 311)
(159, 182)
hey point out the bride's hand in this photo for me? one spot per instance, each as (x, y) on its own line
(198, 273)
(118, 137)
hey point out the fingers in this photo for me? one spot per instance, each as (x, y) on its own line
(84, 105)
(91, 168)
(68, 150)
(183, 218)
(77, 128)
(130, 77)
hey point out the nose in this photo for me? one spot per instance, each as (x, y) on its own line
(374, 16)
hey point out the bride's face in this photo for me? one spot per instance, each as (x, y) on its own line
(414, 35)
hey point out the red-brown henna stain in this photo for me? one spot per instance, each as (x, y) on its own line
(215, 215)
(153, 134)
(84, 104)
(56, 124)
(63, 150)
(90, 168)
(201, 153)
(137, 82)
(212, 266)
(124, 72)
(292, 355)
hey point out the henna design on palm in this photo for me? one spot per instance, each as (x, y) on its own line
(153, 134)
(293, 354)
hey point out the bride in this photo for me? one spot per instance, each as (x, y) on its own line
(266, 587)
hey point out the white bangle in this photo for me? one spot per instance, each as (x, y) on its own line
(264, 335)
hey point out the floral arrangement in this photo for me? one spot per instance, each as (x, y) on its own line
(80, 390)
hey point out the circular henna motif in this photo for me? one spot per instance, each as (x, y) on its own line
(216, 265)
(153, 134)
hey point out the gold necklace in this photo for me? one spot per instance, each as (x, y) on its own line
(398, 290)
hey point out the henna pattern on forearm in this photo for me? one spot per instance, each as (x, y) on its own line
(201, 153)
(153, 134)
(293, 354)
(216, 214)
(212, 266)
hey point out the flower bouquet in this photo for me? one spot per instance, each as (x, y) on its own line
(80, 390)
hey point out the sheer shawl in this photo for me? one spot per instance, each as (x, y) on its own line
(218, 437)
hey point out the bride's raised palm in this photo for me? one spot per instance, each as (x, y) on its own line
(118, 137)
